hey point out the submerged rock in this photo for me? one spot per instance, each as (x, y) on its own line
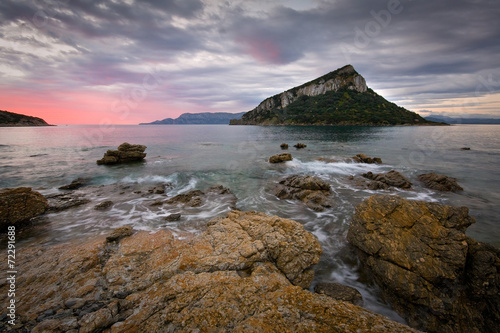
(435, 276)
(279, 158)
(284, 146)
(59, 202)
(245, 273)
(197, 198)
(313, 191)
(440, 182)
(76, 183)
(104, 205)
(126, 153)
(391, 178)
(19, 205)
(362, 158)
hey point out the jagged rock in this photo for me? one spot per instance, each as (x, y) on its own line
(104, 205)
(440, 182)
(279, 158)
(373, 185)
(284, 146)
(300, 145)
(313, 191)
(59, 202)
(245, 273)
(76, 183)
(339, 292)
(391, 178)
(126, 153)
(436, 277)
(362, 158)
(19, 205)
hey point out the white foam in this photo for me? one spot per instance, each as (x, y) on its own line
(336, 168)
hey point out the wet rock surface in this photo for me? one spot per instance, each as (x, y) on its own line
(75, 184)
(435, 276)
(280, 158)
(196, 198)
(339, 292)
(440, 182)
(391, 178)
(63, 201)
(19, 205)
(126, 153)
(362, 158)
(245, 273)
(313, 191)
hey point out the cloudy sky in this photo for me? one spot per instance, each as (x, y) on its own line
(131, 61)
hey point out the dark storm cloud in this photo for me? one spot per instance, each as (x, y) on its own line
(413, 47)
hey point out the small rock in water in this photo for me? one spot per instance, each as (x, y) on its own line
(104, 205)
(280, 158)
(465, 148)
(362, 158)
(440, 182)
(76, 183)
(126, 153)
(284, 146)
(173, 217)
(300, 145)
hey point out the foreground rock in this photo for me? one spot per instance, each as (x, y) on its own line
(280, 158)
(245, 273)
(362, 158)
(313, 191)
(391, 178)
(19, 205)
(435, 276)
(126, 153)
(440, 182)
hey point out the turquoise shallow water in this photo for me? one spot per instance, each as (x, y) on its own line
(199, 156)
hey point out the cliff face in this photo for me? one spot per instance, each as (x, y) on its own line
(345, 77)
(339, 97)
(11, 119)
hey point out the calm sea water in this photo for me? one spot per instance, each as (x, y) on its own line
(199, 156)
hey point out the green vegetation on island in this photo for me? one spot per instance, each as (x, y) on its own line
(11, 119)
(337, 98)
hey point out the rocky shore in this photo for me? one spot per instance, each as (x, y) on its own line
(246, 271)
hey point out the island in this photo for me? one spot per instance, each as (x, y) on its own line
(340, 97)
(203, 118)
(11, 119)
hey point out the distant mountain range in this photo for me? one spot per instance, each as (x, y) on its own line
(340, 97)
(11, 119)
(453, 121)
(211, 118)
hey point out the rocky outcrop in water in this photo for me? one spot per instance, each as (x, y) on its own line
(245, 273)
(435, 276)
(440, 182)
(197, 198)
(19, 205)
(126, 153)
(75, 184)
(362, 158)
(280, 158)
(391, 178)
(313, 191)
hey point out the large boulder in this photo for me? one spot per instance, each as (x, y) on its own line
(126, 153)
(440, 182)
(313, 191)
(19, 205)
(391, 178)
(245, 273)
(430, 271)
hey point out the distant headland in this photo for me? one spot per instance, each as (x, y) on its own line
(340, 97)
(209, 118)
(11, 119)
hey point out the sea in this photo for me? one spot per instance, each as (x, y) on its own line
(181, 158)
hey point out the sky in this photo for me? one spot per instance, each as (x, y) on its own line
(131, 61)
